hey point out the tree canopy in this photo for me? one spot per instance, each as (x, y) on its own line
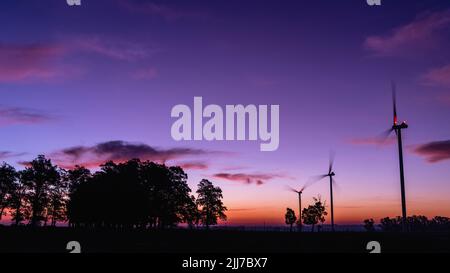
(131, 194)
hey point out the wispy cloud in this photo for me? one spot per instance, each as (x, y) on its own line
(247, 178)
(146, 74)
(193, 165)
(16, 115)
(438, 76)
(165, 11)
(119, 151)
(435, 151)
(444, 98)
(373, 141)
(8, 154)
(424, 32)
(111, 48)
(20, 62)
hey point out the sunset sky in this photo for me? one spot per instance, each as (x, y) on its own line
(87, 84)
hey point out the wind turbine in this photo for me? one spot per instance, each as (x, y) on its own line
(397, 128)
(330, 174)
(299, 192)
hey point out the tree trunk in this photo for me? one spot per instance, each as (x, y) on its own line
(313, 228)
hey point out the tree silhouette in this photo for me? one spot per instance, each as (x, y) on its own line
(8, 177)
(209, 200)
(192, 214)
(314, 214)
(290, 218)
(20, 209)
(76, 179)
(391, 224)
(39, 180)
(132, 194)
(369, 225)
(440, 223)
(416, 223)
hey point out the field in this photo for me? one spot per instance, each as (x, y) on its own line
(43, 240)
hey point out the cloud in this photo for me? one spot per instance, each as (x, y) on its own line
(438, 76)
(258, 179)
(30, 62)
(435, 151)
(119, 151)
(167, 12)
(119, 50)
(444, 98)
(422, 33)
(15, 115)
(193, 165)
(373, 141)
(8, 154)
(20, 62)
(146, 74)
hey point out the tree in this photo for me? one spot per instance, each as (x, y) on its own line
(75, 178)
(20, 209)
(39, 179)
(290, 218)
(439, 223)
(132, 194)
(78, 175)
(8, 177)
(391, 224)
(58, 198)
(369, 225)
(209, 200)
(417, 223)
(192, 214)
(314, 214)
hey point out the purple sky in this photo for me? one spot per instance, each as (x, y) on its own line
(73, 79)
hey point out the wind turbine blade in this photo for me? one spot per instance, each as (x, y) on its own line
(384, 137)
(307, 184)
(335, 184)
(315, 179)
(331, 161)
(291, 189)
(394, 101)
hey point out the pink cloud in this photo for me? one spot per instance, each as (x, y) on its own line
(15, 115)
(193, 165)
(7, 154)
(31, 62)
(120, 50)
(146, 74)
(422, 33)
(438, 76)
(255, 178)
(25, 62)
(120, 151)
(444, 98)
(435, 151)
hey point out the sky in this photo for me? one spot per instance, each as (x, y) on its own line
(85, 84)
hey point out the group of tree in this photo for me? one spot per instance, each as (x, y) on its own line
(415, 223)
(312, 215)
(132, 194)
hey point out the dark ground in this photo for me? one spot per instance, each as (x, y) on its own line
(215, 241)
